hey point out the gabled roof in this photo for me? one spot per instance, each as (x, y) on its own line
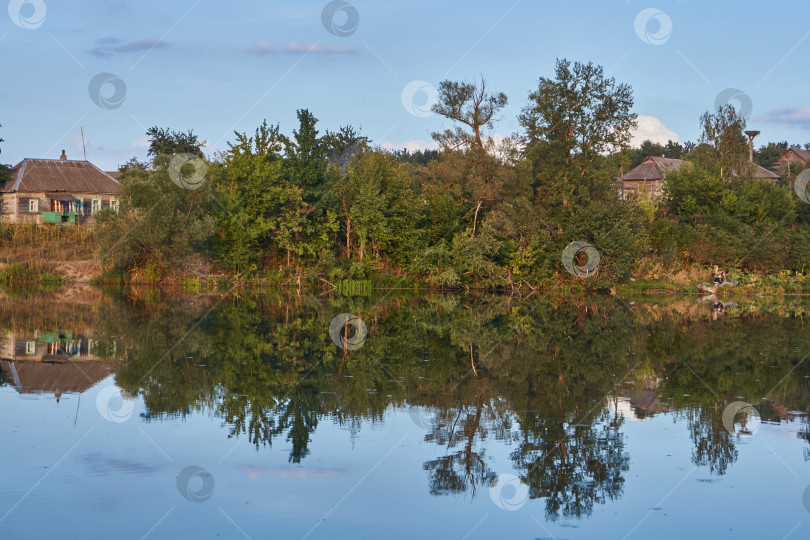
(762, 172)
(37, 175)
(53, 377)
(803, 154)
(653, 168)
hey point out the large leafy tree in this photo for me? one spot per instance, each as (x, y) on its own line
(574, 118)
(474, 107)
(722, 143)
(571, 126)
(469, 104)
(261, 210)
(376, 200)
(306, 167)
(305, 162)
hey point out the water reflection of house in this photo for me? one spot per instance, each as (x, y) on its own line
(52, 346)
(643, 399)
(53, 362)
(55, 378)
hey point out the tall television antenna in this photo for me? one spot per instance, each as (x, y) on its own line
(83, 147)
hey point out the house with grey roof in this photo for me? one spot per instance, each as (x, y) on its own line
(648, 176)
(57, 191)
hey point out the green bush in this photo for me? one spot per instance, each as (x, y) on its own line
(17, 274)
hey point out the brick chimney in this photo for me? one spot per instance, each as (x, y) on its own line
(63, 157)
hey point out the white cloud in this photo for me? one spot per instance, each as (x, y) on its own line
(143, 142)
(652, 129)
(261, 48)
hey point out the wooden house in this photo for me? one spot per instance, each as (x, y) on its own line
(793, 156)
(57, 191)
(648, 176)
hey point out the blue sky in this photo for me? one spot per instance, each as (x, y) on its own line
(216, 67)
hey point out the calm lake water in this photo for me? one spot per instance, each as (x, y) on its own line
(144, 415)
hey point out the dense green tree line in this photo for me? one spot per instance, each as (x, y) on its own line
(329, 206)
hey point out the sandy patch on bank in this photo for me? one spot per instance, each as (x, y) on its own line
(75, 271)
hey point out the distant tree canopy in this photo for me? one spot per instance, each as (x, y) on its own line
(767, 154)
(341, 146)
(672, 149)
(330, 207)
(164, 141)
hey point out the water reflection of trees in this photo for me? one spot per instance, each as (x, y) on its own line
(534, 375)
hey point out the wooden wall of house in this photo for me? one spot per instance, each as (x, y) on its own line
(7, 202)
(792, 157)
(654, 187)
(17, 205)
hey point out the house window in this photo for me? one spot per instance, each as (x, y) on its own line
(95, 206)
(30, 347)
(114, 205)
(33, 205)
